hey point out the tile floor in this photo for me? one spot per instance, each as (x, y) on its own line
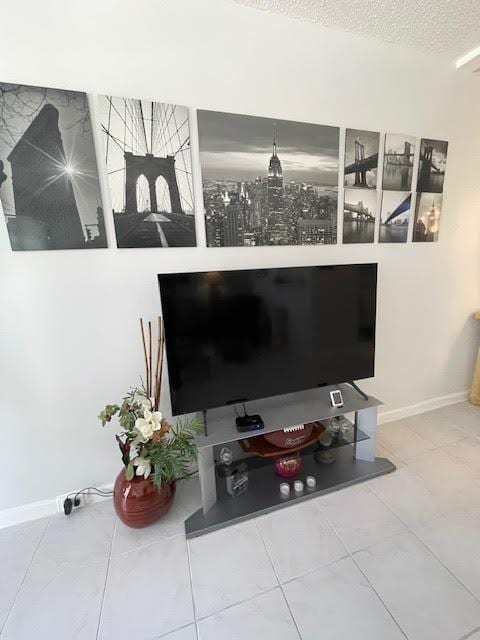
(397, 557)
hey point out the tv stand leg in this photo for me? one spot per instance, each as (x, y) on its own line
(206, 474)
(366, 420)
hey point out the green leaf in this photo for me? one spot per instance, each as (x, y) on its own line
(129, 472)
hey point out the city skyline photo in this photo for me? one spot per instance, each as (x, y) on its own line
(266, 181)
(428, 211)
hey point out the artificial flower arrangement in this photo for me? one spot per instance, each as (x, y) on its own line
(150, 446)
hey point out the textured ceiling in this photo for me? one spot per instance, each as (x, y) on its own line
(449, 28)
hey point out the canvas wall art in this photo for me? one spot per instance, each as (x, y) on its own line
(428, 211)
(398, 162)
(49, 185)
(395, 216)
(431, 168)
(149, 166)
(361, 158)
(268, 182)
(359, 211)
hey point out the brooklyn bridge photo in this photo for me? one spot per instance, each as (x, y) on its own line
(431, 169)
(149, 166)
(49, 186)
(268, 182)
(398, 162)
(395, 216)
(359, 210)
(361, 158)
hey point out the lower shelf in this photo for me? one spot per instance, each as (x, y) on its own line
(263, 494)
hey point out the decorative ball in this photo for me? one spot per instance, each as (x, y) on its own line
(290, 436)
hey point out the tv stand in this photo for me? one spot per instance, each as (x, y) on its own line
(355, 460)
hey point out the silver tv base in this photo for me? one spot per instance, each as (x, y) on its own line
(355, 462)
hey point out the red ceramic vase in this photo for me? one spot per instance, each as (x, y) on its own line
(138, 502)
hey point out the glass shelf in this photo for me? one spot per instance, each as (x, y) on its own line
(256, 462)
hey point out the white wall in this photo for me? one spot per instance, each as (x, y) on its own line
(68, 319)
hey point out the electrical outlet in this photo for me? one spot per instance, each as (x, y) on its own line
(84, 498)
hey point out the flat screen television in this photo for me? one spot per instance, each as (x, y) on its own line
(235, 336)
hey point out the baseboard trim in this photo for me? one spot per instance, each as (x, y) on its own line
(45, 508)
(422, 407)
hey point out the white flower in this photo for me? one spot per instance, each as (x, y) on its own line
(133, 453)
(148, 424)
(143, 466)
(156, 420)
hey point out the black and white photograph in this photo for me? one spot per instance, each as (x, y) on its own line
(395, 216)
(361, 158)
(428, 211)
(49, 185)
(433, 162)
(359, 211)
(149, 166)
(268, 182)
(398, 162)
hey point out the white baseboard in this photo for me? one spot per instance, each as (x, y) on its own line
(422, 407)
(44, 508)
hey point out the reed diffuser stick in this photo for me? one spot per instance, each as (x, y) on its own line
(161, 330)
(157, 367)
(149, 392)
(144, 354)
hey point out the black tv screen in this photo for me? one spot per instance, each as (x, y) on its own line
(235, 336)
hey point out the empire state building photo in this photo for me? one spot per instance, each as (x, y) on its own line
(268, 182)
(275, 200)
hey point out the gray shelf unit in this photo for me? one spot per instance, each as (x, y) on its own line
(354, 463)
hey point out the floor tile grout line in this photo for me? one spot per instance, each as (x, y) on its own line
(148, 544)
(363, 548)
(379, 597)
(107, 572)
(384, 426)
(235, 604)
(351, 555)
(427, 548)
(243, 600)
(190, 574)
(167, 633)
(34, 554)
(435, 447)
(278, 580)
(469, 634)
(315, 569)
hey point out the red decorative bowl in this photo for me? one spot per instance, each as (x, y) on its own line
(288, 466)
(289, 439)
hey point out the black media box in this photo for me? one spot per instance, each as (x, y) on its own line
(249, 423)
